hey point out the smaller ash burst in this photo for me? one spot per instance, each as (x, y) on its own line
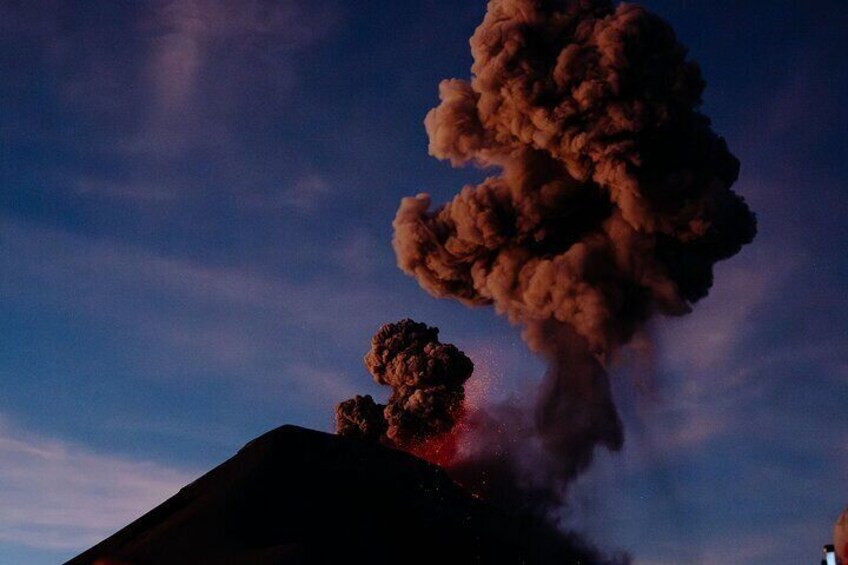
(427, 379)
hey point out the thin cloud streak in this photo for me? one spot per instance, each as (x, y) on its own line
(218, 317)
(304, 195)
(147, 193)
(58, 495)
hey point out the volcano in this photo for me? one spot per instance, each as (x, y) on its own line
(298, 496)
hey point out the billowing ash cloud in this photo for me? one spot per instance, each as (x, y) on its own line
(610, 202)
(426, 378)
(360, 417)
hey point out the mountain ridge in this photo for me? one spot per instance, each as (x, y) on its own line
(297, 496)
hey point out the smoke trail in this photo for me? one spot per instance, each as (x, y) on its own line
(611, 203)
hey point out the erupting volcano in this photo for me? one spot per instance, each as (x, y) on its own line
(609, 203)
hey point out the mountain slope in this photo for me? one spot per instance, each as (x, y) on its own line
(297, 496)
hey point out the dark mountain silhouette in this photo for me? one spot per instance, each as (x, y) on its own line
(297, 496)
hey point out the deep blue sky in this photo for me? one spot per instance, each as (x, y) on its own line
(195, 209)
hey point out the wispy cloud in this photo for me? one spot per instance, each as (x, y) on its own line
(142, 192)
(709, 337)
(319, 383)
(754, 548)
(303, 195)
(737, 419)
(209, 317)
(166, 85)
(358, 254)
(58, 495)
(205, 56)
(769, 544)
(712, 356)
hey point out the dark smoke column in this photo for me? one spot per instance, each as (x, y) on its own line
(427, 379)
(610, 198)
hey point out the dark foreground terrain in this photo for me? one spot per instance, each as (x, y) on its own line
(296, 496)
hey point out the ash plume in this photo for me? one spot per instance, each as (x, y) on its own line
(360, 417)
(427, 380)
(609, 203)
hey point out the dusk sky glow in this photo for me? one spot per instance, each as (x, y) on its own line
(195, 233)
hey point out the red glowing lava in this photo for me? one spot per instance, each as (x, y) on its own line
(440, 450)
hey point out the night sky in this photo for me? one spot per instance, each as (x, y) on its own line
(195, 236)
